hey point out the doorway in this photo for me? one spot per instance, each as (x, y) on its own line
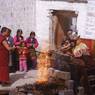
(62, 21)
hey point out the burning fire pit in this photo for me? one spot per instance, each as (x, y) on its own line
(42, 88)
(44, 85)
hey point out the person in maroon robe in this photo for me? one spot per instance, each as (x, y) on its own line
(4, 56)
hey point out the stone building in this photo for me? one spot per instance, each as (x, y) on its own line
(50, 19)
(55, 17)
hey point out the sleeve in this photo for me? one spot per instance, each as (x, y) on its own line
(2, 39)
(27, 42)
(15, 41)
(12, 41)
(36, 43)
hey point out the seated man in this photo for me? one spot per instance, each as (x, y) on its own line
(81, 51)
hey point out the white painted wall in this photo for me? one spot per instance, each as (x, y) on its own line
(42, 17)
(90, 20)
(18, 14)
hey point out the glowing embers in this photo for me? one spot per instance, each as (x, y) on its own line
(43, 65)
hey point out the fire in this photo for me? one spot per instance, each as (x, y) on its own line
(43, 65)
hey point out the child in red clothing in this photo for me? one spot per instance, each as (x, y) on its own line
(23, 57)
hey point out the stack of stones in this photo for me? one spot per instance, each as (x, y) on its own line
(57, 77)
(66, 76)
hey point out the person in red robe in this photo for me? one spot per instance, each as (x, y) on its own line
(4, 56)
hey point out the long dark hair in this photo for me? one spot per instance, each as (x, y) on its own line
(19, 30)
(32, 33)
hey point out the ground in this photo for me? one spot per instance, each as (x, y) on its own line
(19, 79)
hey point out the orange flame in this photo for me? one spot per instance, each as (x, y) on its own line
(43, 65)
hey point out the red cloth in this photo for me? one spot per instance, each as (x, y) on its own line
(4, 61)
